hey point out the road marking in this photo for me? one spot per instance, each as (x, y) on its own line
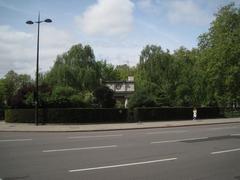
(226, 151)
(178, 140)
(82, 148)
(14, 140)
(221, 128)
(166, 132)
(122, 165)
(235, 135)
(98, 136)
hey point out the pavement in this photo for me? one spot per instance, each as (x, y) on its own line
(27, 127)
(209, 152)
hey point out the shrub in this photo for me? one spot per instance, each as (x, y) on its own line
(180, 113)
(104, 97)
(68, 115)
(141, 99)
(1, 114)
(19, 115)
(63, 91)
(102, 115)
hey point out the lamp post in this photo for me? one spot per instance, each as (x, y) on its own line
(36, 98)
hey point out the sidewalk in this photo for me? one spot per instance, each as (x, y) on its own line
(24, 127)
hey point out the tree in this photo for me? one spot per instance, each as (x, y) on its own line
(20, 98)
(141, 99)
(188, 77)
(104, 97)
(2, 93)
(107, 72)
(13, 82)
(76, 68)
(220, 57)
(124, 71)
(157, 71)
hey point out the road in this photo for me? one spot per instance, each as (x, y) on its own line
(184, 153)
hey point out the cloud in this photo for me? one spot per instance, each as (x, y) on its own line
(149, 6)
(187, 12)
(118, 55)
(145, 4)
(107, 17)
(18, 49)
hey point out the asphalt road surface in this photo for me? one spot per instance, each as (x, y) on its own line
(185, 153)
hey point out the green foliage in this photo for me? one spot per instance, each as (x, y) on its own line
(207, 76)
(124, 71)
(65, 92)
(65, 97)
(12, 82)
(76, 68)
(141, 98)
(219, 58)
(107, 72)
(174, 113)
(83, 99)
(20, 115)
(187, 77)
(158, 72)
(2, 93)
(104, 97)
(231, 113)
(67, 115)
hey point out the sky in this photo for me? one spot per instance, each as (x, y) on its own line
(117, 30)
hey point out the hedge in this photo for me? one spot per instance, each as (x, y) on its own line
(181, 113)
(102, 115)
(67, 115)
(1, 114)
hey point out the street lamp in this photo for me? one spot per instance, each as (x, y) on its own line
(36, 99)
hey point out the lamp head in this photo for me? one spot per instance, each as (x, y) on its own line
(48, 20)
(29, 22)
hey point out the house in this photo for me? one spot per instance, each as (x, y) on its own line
(122, 89)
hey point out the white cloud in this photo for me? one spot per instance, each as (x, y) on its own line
(107, 17)
(18, 49)
(187, 12)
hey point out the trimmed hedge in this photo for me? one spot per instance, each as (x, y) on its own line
(20, 115)
(1, 114)
(107, 115)
(181, 113)
(67, 115)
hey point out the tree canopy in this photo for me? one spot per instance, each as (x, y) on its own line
(220, 57)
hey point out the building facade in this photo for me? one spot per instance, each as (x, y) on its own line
(122, 89)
